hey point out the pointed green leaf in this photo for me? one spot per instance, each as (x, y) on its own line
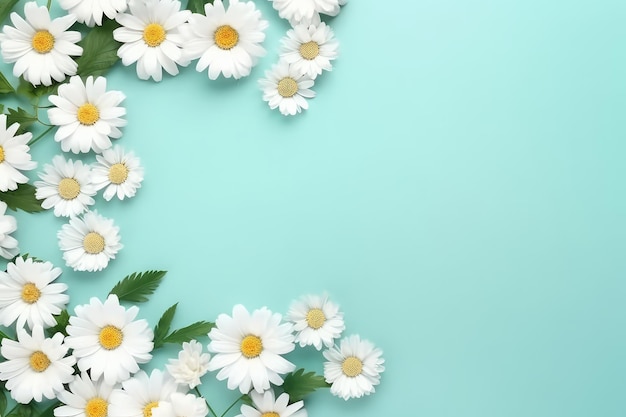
(22, 199)
(197, 6)
(21, 116)
(5, 85)
(99, 50)
(298, 384)
(193, 331)
(3, 336)
(163, 326)
(63, 319)
(138, 286)
(5, 8)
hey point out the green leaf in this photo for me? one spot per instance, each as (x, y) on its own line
(22, 199)
(63, 319)
(99, 50)
(163, 326)
(197, 6)
(138, 286)
(193, 331)
(21, 410)
(26, 89)
(3, 402)
(5, 85)
(21, 116)
(5, 8)
(3, 336)
(49, 411)
(298, 384)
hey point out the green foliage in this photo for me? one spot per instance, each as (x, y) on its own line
(299, 384)
(193, 331)
(63, 319)
(49, 411)
(21, 410)
(197, 6)
(137, 287)
(163, 326)
(21, 116)
(3, 401)
(29, 91)
(5, 85)
(5, 8)
(22, 199)
(99, 50)
(3, 336)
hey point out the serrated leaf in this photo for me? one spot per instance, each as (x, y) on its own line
(299, 384)
(62, 319)
(99, 50)
(163, 326)
(193, 331)
(5, 8)
(22, 199)
(138, 286)
(5, 85)
(197, 6)
(21, 116)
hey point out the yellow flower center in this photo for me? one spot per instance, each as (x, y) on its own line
(88, 114)
(226, 37)
(1, 154)
(96, 407)
(118, 173)
(39, 361)
(287, 87)
(270, 414)
(352, 366)
(315, 318)
(30, 293)
(251, 346)
(147, 410)
(309, 50)
(93, 243)
(110, 337)
(43, 41)
(69, 188)
(154, 35)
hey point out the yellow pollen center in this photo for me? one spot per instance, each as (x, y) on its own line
(88, 114)
(147, 410)
(93, 243)
(69, 188)
(315, 318)
(39, 361)
(96, 407)
(43, 42)
(1, 154)
(226, 37)
(309, 50)
(110, 337)
(270, 414)
(251, 346)
(118, 173)
(287, 87)
(154, 35)
(30, 293)
(352, 366)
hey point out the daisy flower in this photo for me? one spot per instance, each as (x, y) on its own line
(309, 49)
(65, 185)
(35, 366)
(316, 320)
(107, 340)
(181, 405)
(14, 156)
(28, 294)
(90, 12)
(88, 116)
(8, 225)
(354, 368)
(248, 349)
(151, 37)
(40, 47)
(265, 405)
(304, 11)
(286, 88)
(227, 41)
(190, 366)
(142, 394)
(84, 398)
(89, 242)
(118, 171)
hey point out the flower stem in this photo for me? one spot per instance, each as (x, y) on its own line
(35, 140)
(207, 403)
(49, 4)
(232, 405)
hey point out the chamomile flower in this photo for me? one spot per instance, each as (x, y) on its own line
(191, 364)
(305, 11)
(35, 366)
(265, 405)
(40, 47)
(85, 398)
(88, 116)
(29, 295)
(8, 225)
(14, 155)
(91, 12)
(354, 368)
(181, 405)
(227, 41)
(119, 172)
(89, 242)
(309, 49)
(107, 340)
(66, 186)
(142, 394)
(151, 37)
(286, 89)
(317, 321)
(248, 349)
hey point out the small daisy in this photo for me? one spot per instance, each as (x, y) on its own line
(309, 50)
(84, 398)
(142, 394)
(191, 364)
(8, 225)
(118, 171)
(354, 368)
(90, 242)
(265, 405)
(28, 295)
(88, 116)
(35, 366)
(316, 320)
(66, 186)
(248, 349)
(14, 156)
(90, 12)
(151, 37)
(181, 405)
(40, 47)
(304, 11)
(287, 89)
(107, 340)
(227, 41)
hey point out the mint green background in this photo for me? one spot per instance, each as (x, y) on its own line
(458, 187)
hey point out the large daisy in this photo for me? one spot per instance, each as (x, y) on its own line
(309, 49)
(29, 295)
(317, 321)
(85, 398)
(287, 89)
(190, 365)
(151, 37)
(354, 368)
(88, 116)
(14, 155)
(118, 172)
(227, 41)
(248, 349)
(41, 48)
(142, 394)
(266, 405)
(305, 11)
(107, 340)
(8, 225)
(181, 405)
(35, 366)
(91, 12)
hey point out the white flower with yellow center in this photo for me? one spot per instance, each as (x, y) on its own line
(119, 171)
(151, 37)
(66, 186)
(316, 320)
(14, 155)
(35, 366)
(286, 89)
(191, 364)
(142, 394)
(85, 398)
(89, 242)
(354, 368)
(305, 11)
(40, 47)
(8, 225)
(28, 294)
(248, 349)
(266, 405)
(227, 41)
(309, 49)
(107, 340)
(88, 116)
(181, 405)
(91, 12)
